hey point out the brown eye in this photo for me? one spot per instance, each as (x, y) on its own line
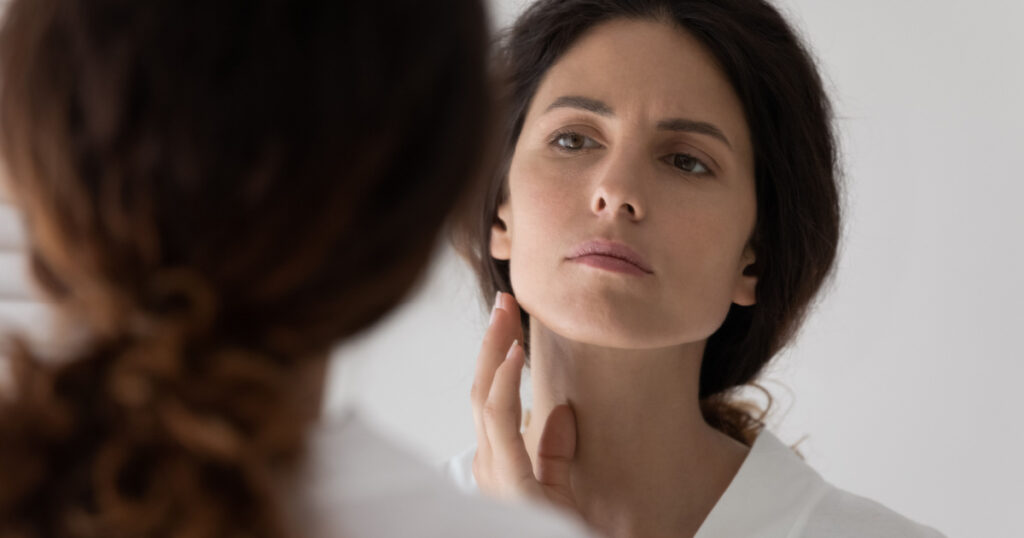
(571, 141)
(689, 163)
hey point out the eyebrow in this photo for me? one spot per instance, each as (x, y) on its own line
(584, 103)
(693, 126)
(671, 124)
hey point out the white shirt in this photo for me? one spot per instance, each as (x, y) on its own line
(356, 484)
(775, 494)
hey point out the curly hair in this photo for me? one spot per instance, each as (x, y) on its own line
(214, 194)
(796, 173)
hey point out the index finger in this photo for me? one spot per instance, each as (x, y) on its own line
(499, 336)
(511, 305)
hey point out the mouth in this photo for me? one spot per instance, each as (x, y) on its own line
(610, 256)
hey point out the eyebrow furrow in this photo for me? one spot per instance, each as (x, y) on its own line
(585, 103)
(691, 126)
(672, 124)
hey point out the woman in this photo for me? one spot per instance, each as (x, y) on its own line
(668, 210)
(216, 193)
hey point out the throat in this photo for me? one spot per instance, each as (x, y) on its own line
(646, 462)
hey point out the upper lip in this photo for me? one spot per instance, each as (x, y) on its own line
(604, 247)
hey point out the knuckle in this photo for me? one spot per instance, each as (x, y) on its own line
(492, 412)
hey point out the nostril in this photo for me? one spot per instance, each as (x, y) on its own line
(631, 209)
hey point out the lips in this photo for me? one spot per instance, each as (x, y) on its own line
(610, 255)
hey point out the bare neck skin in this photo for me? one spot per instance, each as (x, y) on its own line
(647, 465)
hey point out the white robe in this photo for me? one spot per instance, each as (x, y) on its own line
(775, 494)
(354, 483)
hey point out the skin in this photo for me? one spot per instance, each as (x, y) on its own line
(617, 435)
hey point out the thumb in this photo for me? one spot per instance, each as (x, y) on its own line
(555, 454)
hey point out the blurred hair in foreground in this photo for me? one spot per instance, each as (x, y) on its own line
(214, 194)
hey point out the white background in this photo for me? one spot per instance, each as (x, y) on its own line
(905, 383)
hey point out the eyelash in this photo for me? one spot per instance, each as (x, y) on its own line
(567, 132)
(553, 141)
(707, 169)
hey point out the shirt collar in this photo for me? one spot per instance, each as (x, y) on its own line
(772, 494)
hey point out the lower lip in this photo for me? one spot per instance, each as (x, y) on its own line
(609, 263)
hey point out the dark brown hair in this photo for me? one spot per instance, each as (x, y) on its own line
(798, 199)
(215, 193)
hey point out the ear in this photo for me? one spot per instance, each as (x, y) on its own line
(501, 232)
(745, 293)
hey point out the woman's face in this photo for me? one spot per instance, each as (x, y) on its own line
(633, 139)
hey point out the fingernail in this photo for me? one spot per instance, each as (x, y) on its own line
(494, 308)
(512, 348)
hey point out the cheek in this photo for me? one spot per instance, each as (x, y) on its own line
(709, 231)
(542, 184)
(704, 246)
(544, 204)
(543, 200)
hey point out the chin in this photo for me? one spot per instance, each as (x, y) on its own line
(612, 328)
(620, 321)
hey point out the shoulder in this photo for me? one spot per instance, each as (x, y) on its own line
(356, 483)
(841, 514)
(776, 494)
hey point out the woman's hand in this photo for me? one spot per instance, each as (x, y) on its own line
(502, 465)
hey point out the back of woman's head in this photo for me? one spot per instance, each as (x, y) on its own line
(214, 193)
(789, 119)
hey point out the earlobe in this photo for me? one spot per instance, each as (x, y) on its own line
(745, 293)
(501, 240)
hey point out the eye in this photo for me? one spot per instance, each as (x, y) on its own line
(573, 141)
(689, 164)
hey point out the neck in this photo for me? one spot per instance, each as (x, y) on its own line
(646, 462)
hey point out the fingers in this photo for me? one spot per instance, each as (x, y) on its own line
(497, 339)
(502, 464)
(511, 305)
(555, 453)
(504, 469)
(504, 328)
(503, 409)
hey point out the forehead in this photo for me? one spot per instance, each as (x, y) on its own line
(646, 70)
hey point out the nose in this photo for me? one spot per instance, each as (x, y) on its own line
(618, 191)
(602, 201)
